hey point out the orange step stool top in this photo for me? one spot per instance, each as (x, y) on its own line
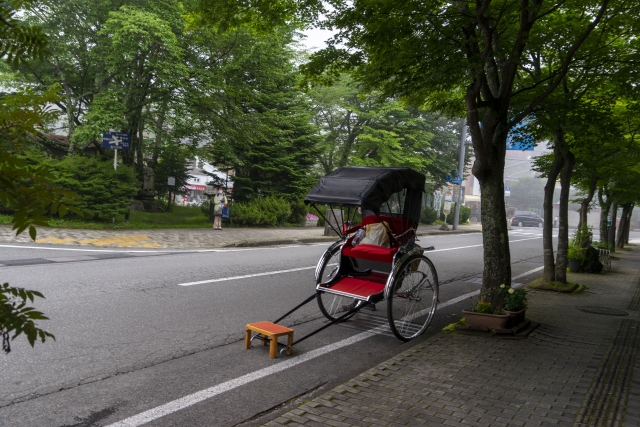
(271, 331)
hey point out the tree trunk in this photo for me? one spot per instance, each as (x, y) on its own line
(584, 205)
(140, 145)
(605, 206)
(159, 130)
(612, 229)
(563, 214)
(628, 225)
(623, 225)
(489, 169)
(549, 274)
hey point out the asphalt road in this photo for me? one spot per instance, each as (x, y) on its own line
(131, 337)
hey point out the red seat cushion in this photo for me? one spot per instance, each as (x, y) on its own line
(357, 287)
(370, 252)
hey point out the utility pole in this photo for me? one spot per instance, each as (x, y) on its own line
(463, 140)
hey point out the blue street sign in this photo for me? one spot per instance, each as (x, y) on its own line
(456, 180)
(517, 139)
(507, 188)
(447, 178)
(117, 140)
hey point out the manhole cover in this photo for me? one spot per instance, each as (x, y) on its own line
(603, 310)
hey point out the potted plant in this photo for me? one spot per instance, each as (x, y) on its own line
(310, 220)
(515, 303)
(576, 253)
(486, 317)
(575, 256)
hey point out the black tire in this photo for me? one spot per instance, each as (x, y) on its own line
(413, 298)
(519, 224)
(540, 225)
(332, 306)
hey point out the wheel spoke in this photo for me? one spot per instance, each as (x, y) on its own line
(415, 297)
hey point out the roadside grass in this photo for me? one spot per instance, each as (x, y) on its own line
(453, 326)
(566, 288)
(5, 219)
(179, 217)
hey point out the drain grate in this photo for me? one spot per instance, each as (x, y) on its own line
(603, 310)
(606, 401)
(29, 261)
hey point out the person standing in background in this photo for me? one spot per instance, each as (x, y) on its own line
(219, 200)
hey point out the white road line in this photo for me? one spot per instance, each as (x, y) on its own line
(269, 273)
(246, 276)
(527, 273)
(477, 246)
(202, 395)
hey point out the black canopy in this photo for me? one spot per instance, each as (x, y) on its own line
(365, 186)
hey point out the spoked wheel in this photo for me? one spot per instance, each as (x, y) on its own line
(413, 297)
(332, 306)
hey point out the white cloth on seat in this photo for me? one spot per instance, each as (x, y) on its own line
(377, 234)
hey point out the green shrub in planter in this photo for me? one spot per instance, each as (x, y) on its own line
(575, 252)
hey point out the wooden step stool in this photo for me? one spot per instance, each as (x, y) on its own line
(270, 331)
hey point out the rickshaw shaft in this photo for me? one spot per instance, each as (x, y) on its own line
(348, 313)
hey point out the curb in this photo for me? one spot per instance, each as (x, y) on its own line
(328, 239)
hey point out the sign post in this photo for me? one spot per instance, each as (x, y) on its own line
(171, 182)
(116, 141)
(448, 197)
(458, 179)
(507, 193)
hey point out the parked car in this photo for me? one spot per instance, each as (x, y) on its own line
(526, 219)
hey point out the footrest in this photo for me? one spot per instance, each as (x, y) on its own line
(356, 288)
(271, 332)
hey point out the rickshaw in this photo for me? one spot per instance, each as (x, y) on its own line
(350, 275)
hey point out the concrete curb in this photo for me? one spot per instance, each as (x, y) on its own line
(328, 239)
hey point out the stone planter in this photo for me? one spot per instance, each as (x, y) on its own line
(310, 223)
(574, 265)
(486, 322)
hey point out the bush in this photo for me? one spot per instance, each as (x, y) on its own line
(298, 212)
(428, 215)
(266, 211)
(104, 193)
(205, 207)
(465, 213)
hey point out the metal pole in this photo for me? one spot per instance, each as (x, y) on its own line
(115, 159)
(463, 139)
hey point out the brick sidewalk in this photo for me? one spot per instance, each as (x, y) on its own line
(576, 369)
(188, 238)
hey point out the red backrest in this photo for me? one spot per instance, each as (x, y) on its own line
(398, 225)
